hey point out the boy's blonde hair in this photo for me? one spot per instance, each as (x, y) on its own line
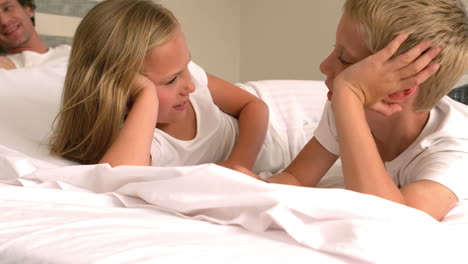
(443, 22)
(108, 51)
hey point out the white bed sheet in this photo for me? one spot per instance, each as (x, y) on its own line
(98, 214)
(55, 226)
(54, 211)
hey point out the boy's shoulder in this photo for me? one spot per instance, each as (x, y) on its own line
(448, 122)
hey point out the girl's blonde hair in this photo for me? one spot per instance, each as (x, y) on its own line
(108, 51)
(443, 22)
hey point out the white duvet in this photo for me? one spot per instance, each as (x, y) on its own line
(54, 211)
(84, 206)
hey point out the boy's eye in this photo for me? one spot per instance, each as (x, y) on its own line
(171, 81)
(344, 62)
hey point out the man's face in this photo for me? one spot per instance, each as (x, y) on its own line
(16, 28)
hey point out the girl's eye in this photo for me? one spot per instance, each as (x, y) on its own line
(171, 81)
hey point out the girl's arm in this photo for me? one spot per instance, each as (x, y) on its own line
(252, 113)
(363, 168)
(133, 144)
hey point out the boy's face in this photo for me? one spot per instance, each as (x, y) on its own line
(16, 28)
(349, 49)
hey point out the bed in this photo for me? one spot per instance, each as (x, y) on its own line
(57, 211)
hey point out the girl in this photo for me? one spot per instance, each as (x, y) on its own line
(133, 96)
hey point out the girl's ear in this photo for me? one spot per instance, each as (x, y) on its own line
(401, 95)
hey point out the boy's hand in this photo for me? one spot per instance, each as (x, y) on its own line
(380, 75)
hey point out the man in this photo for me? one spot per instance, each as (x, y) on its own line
(18, 35)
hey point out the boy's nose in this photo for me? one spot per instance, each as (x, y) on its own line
(325, 66)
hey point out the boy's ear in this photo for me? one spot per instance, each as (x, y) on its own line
(401, 95)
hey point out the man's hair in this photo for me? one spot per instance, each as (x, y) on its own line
(30, 4)
(443, 22)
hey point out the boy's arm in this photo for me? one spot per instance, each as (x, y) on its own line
(364, 171)
(308, 168)
(252, 113)
(305, 170)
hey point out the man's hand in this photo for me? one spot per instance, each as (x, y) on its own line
(6, 63)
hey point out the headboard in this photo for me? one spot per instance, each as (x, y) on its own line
(56, 20)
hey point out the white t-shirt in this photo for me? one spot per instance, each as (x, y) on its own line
(440, 153)
(216, 136)
(57, 55)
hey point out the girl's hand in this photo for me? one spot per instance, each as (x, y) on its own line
(380, 75)
(141, 83)
(142, 86)
(132, 145)
(247, 172)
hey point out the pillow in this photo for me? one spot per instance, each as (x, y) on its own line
(29, 101)
(460, 94)
(291, 100)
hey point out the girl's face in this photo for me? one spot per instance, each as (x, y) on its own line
(349, 49)
(166, 67)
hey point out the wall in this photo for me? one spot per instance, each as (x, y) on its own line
(212, 29)
(56, 20)
(286, 39)
(238, 40)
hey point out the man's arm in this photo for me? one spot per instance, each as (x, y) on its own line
(6, 63)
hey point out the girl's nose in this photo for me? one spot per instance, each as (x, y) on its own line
(190, 87)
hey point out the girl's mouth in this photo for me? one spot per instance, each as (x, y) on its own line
(182, 106)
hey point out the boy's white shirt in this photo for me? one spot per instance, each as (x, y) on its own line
(440, 153)
(57, 55)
